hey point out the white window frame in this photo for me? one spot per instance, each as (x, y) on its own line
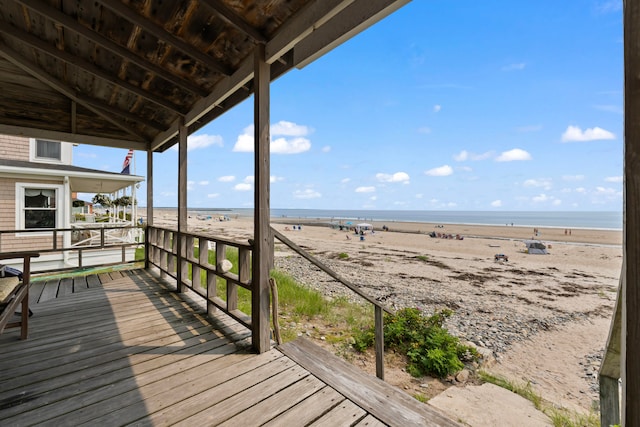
(20, 208)
(65, 152)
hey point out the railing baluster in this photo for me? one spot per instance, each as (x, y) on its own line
(379, 342)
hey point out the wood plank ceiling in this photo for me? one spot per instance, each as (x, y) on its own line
(123, 73)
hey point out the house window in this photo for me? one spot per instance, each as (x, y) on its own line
(48, 149)
(39, 206)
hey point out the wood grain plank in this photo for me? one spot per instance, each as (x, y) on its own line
(50, 290)
(238, 402)
(309, 409)
(174, 393)
(80, 284)
(93, 281)
(385, 402)
(276, 404)
(345, 414)
(35, 290)
(65, 287)
(370, 421)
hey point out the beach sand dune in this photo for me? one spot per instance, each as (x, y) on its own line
(545, 318)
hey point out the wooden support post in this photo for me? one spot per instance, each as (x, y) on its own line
(182, 196)
(149, 214)
(630, 363)
(262, 230)
(609, 401)
(379, 342)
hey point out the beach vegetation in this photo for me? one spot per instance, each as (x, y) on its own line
(560, 417)
(429, 347)
(343, 255)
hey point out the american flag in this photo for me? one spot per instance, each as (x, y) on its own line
(126, 170)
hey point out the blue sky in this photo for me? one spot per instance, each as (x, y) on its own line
(443, 105)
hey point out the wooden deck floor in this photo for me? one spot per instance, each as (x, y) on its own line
(123, 349)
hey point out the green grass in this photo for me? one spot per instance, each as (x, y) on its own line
(523, 390)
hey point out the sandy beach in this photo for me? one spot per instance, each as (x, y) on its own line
(543, 318)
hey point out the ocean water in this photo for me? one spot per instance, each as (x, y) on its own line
(592, 220)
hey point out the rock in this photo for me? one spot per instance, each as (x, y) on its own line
(462, 376)
(224, 266)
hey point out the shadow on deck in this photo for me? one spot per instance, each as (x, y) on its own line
(123, 348)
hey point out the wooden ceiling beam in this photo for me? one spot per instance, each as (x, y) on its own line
(74, 26)
(16, 59)
(161, 34)
(74, 61)
(232, 18)
(135, 144)
(118, 112)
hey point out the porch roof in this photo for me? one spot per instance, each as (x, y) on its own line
(123, 73)
(82, 180)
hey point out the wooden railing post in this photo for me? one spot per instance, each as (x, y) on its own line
(379, 342)
(147, 246)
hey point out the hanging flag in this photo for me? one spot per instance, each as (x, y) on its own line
(126, 170)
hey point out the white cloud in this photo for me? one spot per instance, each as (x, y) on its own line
(190, 185)
(242, 186)
(286, 128)
(213, 195)
(424, 129)
(556, 202)
(437, 108)
(445, 170)
(87, 155)
(373, 198)
(365, 189)
(345, 180)
(274, 178)
(290, 146)
(396, 177)
(514, 67)
(542, 182)
(227, 178)
(291, 139)
(249, 179)
(465, 155)
(581, 190)
(614, 179)
(573, 177)
(540, 198)
(203, 182)
(608, 6)
(195, 142)
(513, 155)
(306, 194)
(326, 148)
(496, 203)
(419, 196)
(574, 133)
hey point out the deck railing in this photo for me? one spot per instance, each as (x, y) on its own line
(190, 267)
(378, 307)
(79, 241)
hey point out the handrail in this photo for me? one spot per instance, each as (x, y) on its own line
(379, 308)
(47, 241)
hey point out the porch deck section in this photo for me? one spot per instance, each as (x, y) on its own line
(124, 349)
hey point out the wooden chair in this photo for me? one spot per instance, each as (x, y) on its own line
(15, 292)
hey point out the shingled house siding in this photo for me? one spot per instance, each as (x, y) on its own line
(9, 242)
(14, 147)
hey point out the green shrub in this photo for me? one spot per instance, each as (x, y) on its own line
(343, 255)
(429, 347)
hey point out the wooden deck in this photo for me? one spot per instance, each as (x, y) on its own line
(123, 349)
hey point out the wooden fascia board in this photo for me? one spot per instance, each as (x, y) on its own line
(13, 57)
(73, 137)
(55, 174)
(358, 16)
(160, 33)
(313, 16)
(97, 38)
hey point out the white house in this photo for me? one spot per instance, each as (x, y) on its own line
(37, 184)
